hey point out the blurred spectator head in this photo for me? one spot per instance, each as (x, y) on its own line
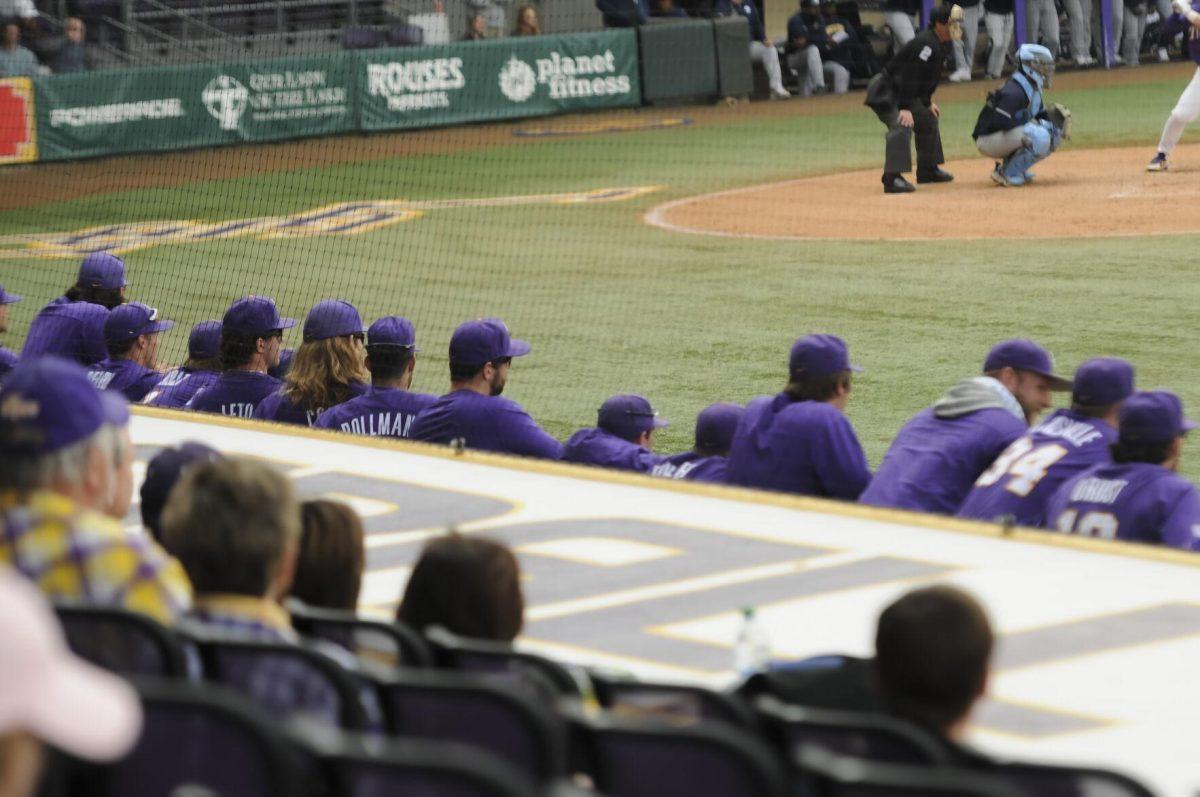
(12, 35)
(932, 652)
(476, 27)
(234, 525)
(74, 330)
(252, 334)
(74, 30)
(330, 358)
(391, 352)
(330, 567)
(715, 427)
(470, 586)
(51, 696)
(101, 280)
(527, 21)
(59, 433)
(163, 473)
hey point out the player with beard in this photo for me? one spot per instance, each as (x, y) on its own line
(481, 354)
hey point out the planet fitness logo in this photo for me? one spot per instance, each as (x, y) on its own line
(518, 81)
(226, 99)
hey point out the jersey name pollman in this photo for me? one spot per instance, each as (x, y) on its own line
(380, 424)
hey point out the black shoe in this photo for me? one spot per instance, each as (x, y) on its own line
(938, 175)
(896, 184)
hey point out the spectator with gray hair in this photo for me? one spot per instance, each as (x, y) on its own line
(65, 476)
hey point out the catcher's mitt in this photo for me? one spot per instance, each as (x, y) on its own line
(1060, 116)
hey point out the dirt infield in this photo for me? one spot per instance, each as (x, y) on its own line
(1099, 192)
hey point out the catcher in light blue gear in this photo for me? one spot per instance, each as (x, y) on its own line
(1015, 126)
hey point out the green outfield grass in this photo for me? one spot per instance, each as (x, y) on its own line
(613, 305)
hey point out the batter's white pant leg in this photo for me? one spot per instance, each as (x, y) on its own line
(769, 58)
(901, 25)
(1079, 20)
(838, 76)
(1187, 108)
(999, 28)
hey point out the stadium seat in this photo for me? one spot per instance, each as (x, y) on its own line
(202, 739)
(406, 36)
(1045, 780)
(454, 652)
(358, 766)
(125, 642)
(393, 644)
(830, 775)
(674, 702)
(465, 708)
(651, 758)
(361, 38)
(285, 679)
(873, 737)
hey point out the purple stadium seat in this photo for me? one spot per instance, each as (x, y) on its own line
(361, 38)
(406, 36)
(125, 642)
(830, 775)
(202, 737)
(1045, 780)
(391, 643)
(676, 702)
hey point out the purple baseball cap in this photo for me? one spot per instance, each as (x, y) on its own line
(1101, 381)
(162, 472)
(332, 318)
(627, 416)
(393, 330)
(127, 321)
(716, 425)
(1153, 416)
(48, 403)
(819, 355)
(9, 298)
(74, 330)
(204, 342)
(1025, 355)
(102, 270)
(484, 340)
(255, 315)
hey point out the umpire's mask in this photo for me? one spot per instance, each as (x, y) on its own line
(1037, 63)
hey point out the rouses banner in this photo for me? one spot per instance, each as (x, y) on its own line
(497, 79)
(194, 106)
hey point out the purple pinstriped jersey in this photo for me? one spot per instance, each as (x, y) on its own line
(177, 387)
(485, 423)
(279, 408)
(1133, 501)
(1023, 478)
(124, 376)
(690, 466)
(8, 361)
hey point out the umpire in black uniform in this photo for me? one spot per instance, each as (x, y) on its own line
(902, 97)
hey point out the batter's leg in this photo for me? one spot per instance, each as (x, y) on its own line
(1187, 108)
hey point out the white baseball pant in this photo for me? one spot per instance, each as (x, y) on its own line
(1187, 108)
(964, 48)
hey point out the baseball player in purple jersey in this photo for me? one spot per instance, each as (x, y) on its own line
(327, 369)
(1138, 496)
(1187, 107)
(623, 437)
(943, 449)
(388, 409)
(800, 440)
(474, 412)
(74, 331)
(101, 281)
(7, 358)
(1023, 478)
(201, 369)
(709, 459)
(131, 333)
(251, 335)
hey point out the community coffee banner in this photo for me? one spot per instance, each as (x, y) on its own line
(498, 79)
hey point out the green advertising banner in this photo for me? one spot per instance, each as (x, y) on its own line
(199, 105)
(497, 79)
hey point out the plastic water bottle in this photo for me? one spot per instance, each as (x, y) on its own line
(752, 653)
